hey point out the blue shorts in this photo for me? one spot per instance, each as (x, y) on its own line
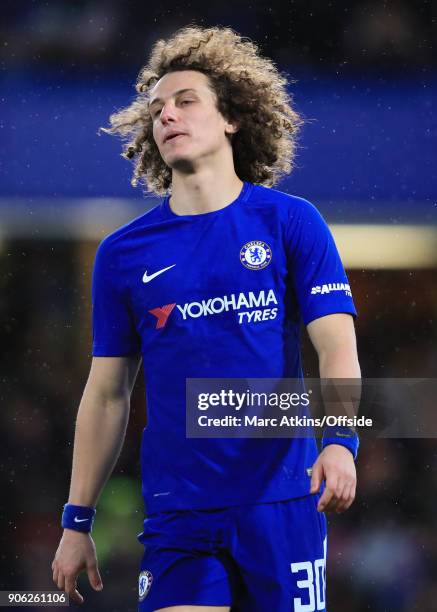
(268, 557)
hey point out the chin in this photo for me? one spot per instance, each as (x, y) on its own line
(182, 164)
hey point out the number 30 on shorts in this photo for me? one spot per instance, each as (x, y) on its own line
(314, 583)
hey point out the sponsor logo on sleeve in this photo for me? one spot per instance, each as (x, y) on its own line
(330, 287)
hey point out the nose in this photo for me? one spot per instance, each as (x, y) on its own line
(168, 113)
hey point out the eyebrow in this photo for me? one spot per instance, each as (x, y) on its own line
(176, 93)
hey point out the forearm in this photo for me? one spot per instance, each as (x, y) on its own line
(100, 431)
(339, 363)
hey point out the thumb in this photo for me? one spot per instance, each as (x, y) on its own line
(316, 477)
(94, 577)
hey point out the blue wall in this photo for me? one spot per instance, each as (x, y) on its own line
(369, 139)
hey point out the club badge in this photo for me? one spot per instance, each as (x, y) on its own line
(145, 580)
(255, 255)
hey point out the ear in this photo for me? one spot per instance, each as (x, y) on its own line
(231, 128)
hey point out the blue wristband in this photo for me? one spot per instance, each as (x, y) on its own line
(341, 435)
(79, 518)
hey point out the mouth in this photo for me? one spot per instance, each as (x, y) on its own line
(173, 137)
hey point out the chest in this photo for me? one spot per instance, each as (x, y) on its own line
(207, 273)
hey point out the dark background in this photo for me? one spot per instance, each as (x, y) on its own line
(365, 79)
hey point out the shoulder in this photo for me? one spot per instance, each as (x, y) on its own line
(116, 240)
(290, 206)
(304, 228)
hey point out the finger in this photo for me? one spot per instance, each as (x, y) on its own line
(343, 498)
(55, 575)
(351, 497)
(316, 477)
(94, 577)
(325, 500)
(332, 504)
(328, 494)
(60, 581)
(341, 495)
(77, 597)
(340, 491)
(71, 589)
(349, 494)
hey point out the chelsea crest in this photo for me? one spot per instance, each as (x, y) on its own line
(255, 255)
(144, 583)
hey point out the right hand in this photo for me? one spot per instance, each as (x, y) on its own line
(76, 552)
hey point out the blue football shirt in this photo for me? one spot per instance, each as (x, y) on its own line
(216, 295)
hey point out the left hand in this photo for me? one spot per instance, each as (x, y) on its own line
(336, 465)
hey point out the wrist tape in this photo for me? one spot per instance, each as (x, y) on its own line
(79, 518)
(341, 435)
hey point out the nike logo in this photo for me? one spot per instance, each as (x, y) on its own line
(148, 278)
(77, 520)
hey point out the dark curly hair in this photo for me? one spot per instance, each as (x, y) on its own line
(249, 90)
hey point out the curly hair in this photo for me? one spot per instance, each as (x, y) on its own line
(249, 90)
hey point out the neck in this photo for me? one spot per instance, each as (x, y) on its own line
(203, 191)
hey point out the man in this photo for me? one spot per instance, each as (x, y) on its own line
(212, 283)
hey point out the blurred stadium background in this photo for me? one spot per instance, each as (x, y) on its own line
(366, 81)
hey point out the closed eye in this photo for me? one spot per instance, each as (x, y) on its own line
(158, 110)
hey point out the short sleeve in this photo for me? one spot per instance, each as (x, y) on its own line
(114, 333)
(317, 273)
